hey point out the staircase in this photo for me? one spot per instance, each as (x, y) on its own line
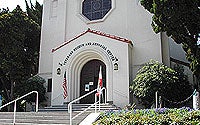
(31, 118)
(55, 115)
(79, 107)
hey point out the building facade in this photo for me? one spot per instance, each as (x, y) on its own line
(78, 36)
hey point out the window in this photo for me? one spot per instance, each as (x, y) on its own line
(54, 6)
(49, 86)
(96, 9)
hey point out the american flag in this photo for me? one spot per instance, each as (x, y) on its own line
(64, 85)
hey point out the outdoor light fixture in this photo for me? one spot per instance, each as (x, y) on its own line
(58, 71)
(115, 66)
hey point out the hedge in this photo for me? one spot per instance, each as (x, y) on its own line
(162, 116)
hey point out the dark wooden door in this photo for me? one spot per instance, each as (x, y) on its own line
(89, 79)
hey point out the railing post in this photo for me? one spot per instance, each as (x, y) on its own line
(105, 95)
(99, 99)
(70, 105)
(36, 102)
(156, 94)
(195, 100)
(95, 97)
(15, 107)
(70, 114)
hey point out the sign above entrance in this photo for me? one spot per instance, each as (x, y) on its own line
(78, 47)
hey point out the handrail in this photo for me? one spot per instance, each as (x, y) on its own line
(82, 97)
(105, 100)
(15, 105)
(95, 103)
(85, 110)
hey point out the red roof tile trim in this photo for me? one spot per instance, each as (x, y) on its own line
(95, 32)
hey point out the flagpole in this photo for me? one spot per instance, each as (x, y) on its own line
(100, 84)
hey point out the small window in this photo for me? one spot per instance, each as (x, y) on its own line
(49, 87)
(54, 6)
(96, 9)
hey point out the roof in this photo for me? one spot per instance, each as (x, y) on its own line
(97, 33)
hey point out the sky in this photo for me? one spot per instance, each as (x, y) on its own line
(11, 4)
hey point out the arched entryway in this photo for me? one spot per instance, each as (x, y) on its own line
(89, 79)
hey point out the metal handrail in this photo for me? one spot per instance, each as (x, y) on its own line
(105, 100)
(82, 97)
(85, 110)
(95, 103)
(15, 105)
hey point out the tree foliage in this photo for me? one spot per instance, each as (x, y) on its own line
(19, 49)
(34, 83)
(180, 91)
(34, 12)
(180, 20)
(155, 76)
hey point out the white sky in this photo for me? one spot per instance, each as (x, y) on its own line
(11, 4)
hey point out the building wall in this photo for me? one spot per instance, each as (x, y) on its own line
(176, 52)
(117, 81)
(128, 19)
(53, 32)
(62, 21)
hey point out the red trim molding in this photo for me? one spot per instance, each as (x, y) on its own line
(97, 33)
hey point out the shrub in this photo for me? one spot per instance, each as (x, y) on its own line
(162, 116)
(155, 76)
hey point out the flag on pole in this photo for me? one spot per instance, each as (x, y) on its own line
(64, 85)
(100, 83)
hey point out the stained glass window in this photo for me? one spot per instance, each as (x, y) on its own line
(96, 9)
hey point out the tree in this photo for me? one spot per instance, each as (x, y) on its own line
(4, 11)
(155, 76)
(180, 20)
(19, 46)
(34, 83)
(34, 12)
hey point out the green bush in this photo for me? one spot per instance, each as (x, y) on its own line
(170, 83)
(163, 116)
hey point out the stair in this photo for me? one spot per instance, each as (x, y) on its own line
(54, 115)
(42, 118)
(79, 107)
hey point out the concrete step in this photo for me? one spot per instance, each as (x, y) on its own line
(54, 115)
(40, 118)
(78, 107)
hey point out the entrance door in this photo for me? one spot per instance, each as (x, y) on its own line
(89, 79)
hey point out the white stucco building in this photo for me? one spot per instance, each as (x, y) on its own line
(80, 35)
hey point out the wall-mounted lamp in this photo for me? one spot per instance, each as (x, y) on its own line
(58, 71)
(116, 66)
